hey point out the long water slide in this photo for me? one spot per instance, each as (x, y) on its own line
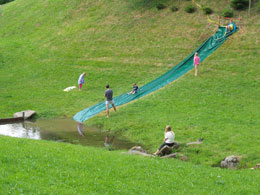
(204, 50)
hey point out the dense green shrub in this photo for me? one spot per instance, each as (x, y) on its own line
(258, 6)
(239, 4)
(207, 10)
(190, 9)
(227, 12)
(5, 1)
(174, 8)
(160, 6)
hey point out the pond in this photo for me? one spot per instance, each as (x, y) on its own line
(65, 130)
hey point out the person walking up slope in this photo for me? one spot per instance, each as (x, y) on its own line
(109, 99)
(196, 62)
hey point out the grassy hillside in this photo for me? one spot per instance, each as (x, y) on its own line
(45, 45)
(40, 167)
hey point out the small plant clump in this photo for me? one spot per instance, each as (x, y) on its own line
(207, 10)
(190, 9)
(239, 4)
(227, 12)
(5, 1)
(174, 8)
(161, 6)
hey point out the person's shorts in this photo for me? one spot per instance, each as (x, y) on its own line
(109, 102)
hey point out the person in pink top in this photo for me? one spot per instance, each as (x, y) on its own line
(196, 62)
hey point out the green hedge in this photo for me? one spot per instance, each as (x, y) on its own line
(227, 12)
(5, 1)
(190, 9)
(239, 4)
(207, 10)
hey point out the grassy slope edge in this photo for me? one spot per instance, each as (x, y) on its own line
(33, 167)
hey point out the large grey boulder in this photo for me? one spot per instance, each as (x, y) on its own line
(27, 114)
(166, 150)
(230, 162)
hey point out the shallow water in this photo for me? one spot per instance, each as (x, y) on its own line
(64, 130)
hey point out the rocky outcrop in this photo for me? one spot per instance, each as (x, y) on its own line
(27, 114)
(166, 150)
(174, 155)
(230, 162)
(139, 151)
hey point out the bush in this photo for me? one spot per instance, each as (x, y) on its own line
(190, 9)
(227, 13)
(174, 9)
(161, 6)
(207, 10)
(5, 1)
(239, 4)
(258, 6)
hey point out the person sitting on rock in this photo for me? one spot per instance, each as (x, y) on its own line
(168, 139)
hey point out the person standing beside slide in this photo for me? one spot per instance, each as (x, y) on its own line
(109, 99)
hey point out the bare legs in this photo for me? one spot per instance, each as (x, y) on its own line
(196, 70)
(108, 109)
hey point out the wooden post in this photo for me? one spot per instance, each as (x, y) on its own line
(249, 7)
(239, 20)
(23, 116)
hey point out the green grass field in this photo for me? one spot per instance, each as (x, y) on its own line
(41, 167)
(46, 45)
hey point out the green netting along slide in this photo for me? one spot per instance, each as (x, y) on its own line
(186, 65)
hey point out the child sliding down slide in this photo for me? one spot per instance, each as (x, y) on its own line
(135, 89)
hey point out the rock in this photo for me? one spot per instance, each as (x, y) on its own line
(166, 150)
(139, 153)
(174, 155)
(197, 142)
(257, 166)
(175, 146)
(138, 148)
(230, 162)
(27, 114)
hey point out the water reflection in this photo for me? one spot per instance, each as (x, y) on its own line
(108, 143)
(80, 129)
(65, 130)
(19, 130)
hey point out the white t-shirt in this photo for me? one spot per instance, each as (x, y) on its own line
(169, 136)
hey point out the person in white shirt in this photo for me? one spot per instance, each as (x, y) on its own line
(168, 139)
